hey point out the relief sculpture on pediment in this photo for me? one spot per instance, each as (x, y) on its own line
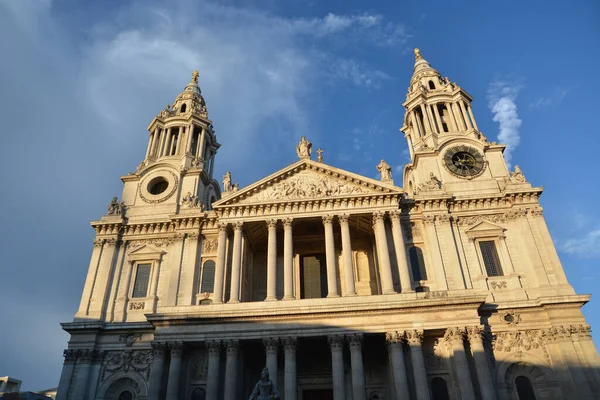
(306, 185)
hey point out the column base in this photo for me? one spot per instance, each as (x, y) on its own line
(390, 292)
(271, 299)
(288, 298)
(407, 291)
(233, 301)
(217, 302)
(332, 295)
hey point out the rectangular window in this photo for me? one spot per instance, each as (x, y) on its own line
(490, 258)
(142, 279)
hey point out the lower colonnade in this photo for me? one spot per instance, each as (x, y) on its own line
(407, 367)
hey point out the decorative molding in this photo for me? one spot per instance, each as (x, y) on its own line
(210, 245)
(137, 305)
(122, 361)
(305, 185)
(518, 341)
(496, 285)
(163, 196)
(129, 338)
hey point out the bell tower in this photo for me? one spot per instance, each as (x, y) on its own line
(448, 152)
(177, 171)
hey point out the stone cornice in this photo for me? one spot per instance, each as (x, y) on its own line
(301, 310)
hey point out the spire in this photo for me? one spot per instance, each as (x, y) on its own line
(191, 100)
(422, 68)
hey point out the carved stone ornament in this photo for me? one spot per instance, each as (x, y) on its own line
(124, 361)
(518, 341)
(496, 285)
(454, 336)
(137, 305)
(510, 317)
(171, 188)
(210, 246)
(191, 201)
(355, 340)
(306, 185)
(394, 337)
(233, 346)
(432, 184)
(566, 333)
(289, 343)
(129, 338)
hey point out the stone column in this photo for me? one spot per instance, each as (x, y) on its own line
(403, 270)
(415, 340)
(438, 118)
(336, 343)
(94, 374)
(231, 371)
(383, 254)
(461, 105)
(179, 138)
(155, 382)
(330, 256)
(86, 296)
(425, 119)
(454, 338)
(174, 370)
(486, 383)
(459, 117)
(472, 116)
(220, 266)
(347, 255)
(434, 125)
(271, 347)
(288, 260)
(236, 263)
(67, 374)
(84, 359)
(272, 261)
(200, 150)
(104, 277)
(451, 117)
(212, 376)
(394, 341)
(150, 139)
(289, 346)
(356, 360)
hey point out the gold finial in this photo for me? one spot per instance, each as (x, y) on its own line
(320, 155)
(417, 54)
(195, 76)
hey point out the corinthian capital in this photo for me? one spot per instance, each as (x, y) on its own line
(454, 336)
(288, 222)
(272, 223)
(327, 219)
(343, 218)
(474, 333)
(414, 337)
(336, 342)
(395, 337)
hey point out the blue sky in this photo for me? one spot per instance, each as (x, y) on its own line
(80, 81)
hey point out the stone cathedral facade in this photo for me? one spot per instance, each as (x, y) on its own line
(344, 286)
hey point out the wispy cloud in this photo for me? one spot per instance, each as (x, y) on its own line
(584, 246)
(502, 95)
(554, 98)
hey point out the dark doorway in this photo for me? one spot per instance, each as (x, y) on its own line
(439, 389)
(313, 276)
(524, 388)
(317, 394)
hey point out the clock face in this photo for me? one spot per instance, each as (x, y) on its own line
(464, 161)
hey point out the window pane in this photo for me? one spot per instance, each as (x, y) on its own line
(417, 263)
(490, 258)
(140, 287)
(208, 277)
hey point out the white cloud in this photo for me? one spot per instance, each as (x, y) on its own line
(556, 97)
(586, 246)
(502, 96)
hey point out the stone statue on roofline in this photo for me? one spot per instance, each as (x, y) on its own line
(265, 388)
(115, 207)
(385, 170)
(304, 148)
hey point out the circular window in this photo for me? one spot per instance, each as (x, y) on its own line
(157, 185)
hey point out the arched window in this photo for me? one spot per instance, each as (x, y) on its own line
(439, 389)
(431, 85)
(524, 388)
(208, 277)
(183, 107)
(126, 395)
(417, 264)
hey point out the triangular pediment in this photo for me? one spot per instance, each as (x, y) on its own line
(307, 180)
(484, 228)
(145, 251)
